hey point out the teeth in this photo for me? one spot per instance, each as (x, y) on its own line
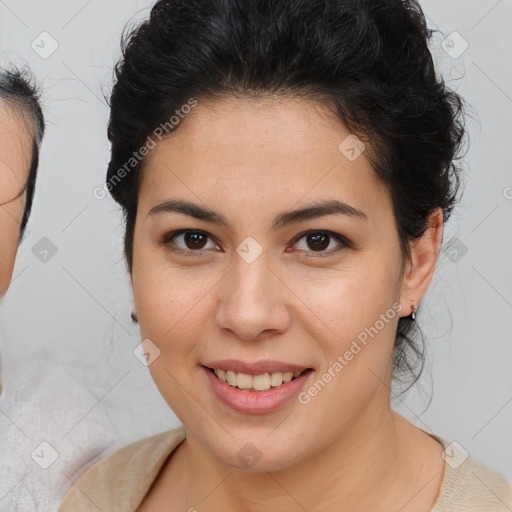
(260, 382)
(244, 381)
(276, 379)
(230, 377)
(256, 382)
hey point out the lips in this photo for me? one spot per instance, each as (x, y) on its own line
(255, 368)
(249, 401)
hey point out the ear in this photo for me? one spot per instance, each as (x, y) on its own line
(419, 269)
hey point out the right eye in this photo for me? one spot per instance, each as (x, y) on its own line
(193, 241)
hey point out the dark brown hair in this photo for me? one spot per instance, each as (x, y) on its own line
(368, 60)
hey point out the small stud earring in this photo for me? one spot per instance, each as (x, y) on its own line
(413, 314)
(135, 320)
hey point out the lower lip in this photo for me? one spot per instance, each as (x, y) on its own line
(256, 402)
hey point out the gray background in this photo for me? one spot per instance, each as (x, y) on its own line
(77, 302)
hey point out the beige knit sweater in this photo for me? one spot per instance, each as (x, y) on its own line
(119, 482)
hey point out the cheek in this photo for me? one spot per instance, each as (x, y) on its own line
(358, 346)
(349, 299)
(169, 315)
(11, 215)
(345, 299)
(360, 308)
(169, 302)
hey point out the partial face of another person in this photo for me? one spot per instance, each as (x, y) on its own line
(298, 291)
(15, 157)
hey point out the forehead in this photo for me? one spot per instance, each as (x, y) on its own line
(15, 144)
(241, 151)
(263, 129)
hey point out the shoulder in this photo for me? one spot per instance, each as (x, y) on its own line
(46, 395)
(123, 477)
(469, 486)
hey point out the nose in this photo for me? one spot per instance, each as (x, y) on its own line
(252, 301)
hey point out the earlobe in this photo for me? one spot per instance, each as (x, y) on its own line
(421, 265)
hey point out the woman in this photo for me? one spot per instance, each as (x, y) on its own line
(40, 382)
(22, 129)
(21, 132)
(285, 168)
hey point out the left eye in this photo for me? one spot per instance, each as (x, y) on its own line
(195, 242)
(320, 240)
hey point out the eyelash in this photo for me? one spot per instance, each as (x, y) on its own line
(166, 242)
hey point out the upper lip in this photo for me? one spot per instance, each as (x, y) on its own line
(255, 368)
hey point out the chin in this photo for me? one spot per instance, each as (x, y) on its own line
(258, 454)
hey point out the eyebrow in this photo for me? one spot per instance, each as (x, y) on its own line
(312, 211)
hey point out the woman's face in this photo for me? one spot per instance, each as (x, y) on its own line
(251, 291)
(15, 156)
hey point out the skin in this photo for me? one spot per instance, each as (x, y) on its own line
(250, 160)
(15, 157)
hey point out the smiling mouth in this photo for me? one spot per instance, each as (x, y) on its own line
(255, 383)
